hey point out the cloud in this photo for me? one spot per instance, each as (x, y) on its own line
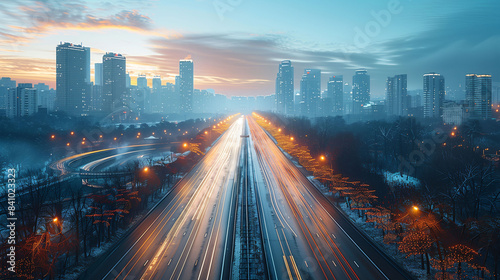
(30, 19)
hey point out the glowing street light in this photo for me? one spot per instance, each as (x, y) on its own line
(146, 169)
(72, 133)
(185, 145)
(415, 208)
(322, 157)
(114, 138)
(206, 132)
(53, 136)
(54, 220)
(291, 138)
(67, 144)
(279, 129)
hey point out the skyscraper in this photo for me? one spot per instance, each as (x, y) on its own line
(335, 93)
(310, 91)
(478, 89)
(114, 78)
(186, 85)
(284, 88)
(98, 74)
(360, 91)
(434, 92)
(156, 95)
(397, 95)
(72, 78)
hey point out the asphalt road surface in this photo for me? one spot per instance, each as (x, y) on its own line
(187, 235)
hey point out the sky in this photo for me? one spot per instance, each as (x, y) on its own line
(237, 45)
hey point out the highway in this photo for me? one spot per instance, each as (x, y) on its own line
(188, 234)
(305, 237)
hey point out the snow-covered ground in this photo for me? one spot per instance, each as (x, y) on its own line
(396, 179)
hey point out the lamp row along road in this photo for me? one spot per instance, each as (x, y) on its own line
(190, 233)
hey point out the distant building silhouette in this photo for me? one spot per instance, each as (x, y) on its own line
(360, 91)
(72, 78)
(434, 92)
(185, 85)
(478, 89)
(397, 99)
(21, 101)
(114, 81)
(285, 88)
(310, 91)
(335, 95)
(98, 74)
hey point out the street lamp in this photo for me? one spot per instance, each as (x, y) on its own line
(416, 208)
(146, 169)
(54, 220)
(291, 138)
(185, 145)
(322, 158)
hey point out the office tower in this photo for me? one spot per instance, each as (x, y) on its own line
(114, 81)
(98, 74)
(186, 85)
(478, 89)
(5, 84)
(310, 91)
(434, 92)
(360, 91)
(335, 93)
(397, 96)
(285, 88)
(21, 101)
(72, 78)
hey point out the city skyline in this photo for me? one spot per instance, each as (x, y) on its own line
(403, 41)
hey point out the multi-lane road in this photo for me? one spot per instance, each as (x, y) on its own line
(189, 234)
(305, 235)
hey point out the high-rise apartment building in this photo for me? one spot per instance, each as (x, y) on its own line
(310, 91)
(360, 91)
(478, 89)
(397, 96)
(434, 92)
(72, 78)
(285, 88)
(114, 81)
(185, 86)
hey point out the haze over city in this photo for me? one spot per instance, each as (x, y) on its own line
(237, 44)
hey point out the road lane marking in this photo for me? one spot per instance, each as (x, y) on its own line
(334, 263)
(356, 263)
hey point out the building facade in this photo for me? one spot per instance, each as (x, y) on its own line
(434, 92)
(360, 91)
(72, 79)
(285, 88)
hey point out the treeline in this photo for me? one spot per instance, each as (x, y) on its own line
(450, 220)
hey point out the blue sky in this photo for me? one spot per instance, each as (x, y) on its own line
(237, 44)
